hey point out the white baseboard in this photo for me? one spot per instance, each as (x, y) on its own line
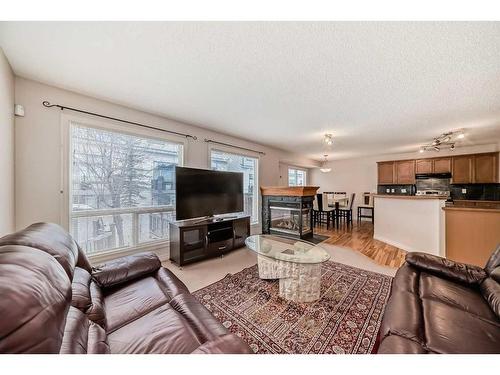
(400, 245)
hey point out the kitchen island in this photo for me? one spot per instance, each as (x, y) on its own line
(411, 223)
(472, 233)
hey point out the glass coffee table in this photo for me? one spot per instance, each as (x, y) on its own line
(296, 263)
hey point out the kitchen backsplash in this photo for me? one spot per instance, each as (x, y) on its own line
(486, 192)
(396, 189)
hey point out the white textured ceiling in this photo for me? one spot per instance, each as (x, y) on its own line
(378, 87)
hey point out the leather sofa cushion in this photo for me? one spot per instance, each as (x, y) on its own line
(406, 279)
(490, 290)
(161, 331)
(87, 296)
(125, 269)
(200, 319)
(170, 283)
(493, 261)
(454, 331)
(460, 272)
(82, 336)
(50, 238)
(131, 301)
(227, 344)
(397, 344)
(456, 295)
(35, 296)
(403, 317)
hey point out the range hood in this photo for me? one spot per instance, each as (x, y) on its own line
(421, 176)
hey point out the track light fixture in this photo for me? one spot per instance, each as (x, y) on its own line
(445, 140)
(328, 139)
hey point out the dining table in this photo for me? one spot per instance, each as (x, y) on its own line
(331, 210)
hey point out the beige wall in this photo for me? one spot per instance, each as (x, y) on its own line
(38, 148)
(360, 174)
(6, 146)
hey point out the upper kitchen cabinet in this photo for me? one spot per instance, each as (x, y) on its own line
(462, 169)
(424, 166)
(436, 165)
(441, 165)
(386, 173)
(405, 172)
(485, 167)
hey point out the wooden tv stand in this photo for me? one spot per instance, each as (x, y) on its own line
(198, 239)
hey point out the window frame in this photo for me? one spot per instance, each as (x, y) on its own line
(238, 152)
(291, 167)
(66, 190)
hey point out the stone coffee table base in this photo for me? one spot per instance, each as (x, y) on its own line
(299, 282)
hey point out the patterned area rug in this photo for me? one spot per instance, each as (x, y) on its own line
(346, 319)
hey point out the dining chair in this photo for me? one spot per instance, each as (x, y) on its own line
(366, 206)
(319, 216)
(346, 212)
(340, 195)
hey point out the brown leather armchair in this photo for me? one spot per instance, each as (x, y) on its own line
(53, 301)
(441, 306)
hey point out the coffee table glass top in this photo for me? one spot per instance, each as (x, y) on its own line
(287, 249)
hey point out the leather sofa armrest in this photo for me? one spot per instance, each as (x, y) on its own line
(125, 269)
(226, 344)
(460, 272)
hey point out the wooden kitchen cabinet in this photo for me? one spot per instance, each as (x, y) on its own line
(485, 168)
(462, 169)
(386, 173)
(424, 166)
(405, 172)
(435, 165)
(441, 165)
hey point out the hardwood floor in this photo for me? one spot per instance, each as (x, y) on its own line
(360, 238)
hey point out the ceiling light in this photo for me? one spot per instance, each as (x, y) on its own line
(328, 139)
(461, 135)
(421, 150)
(324, 168)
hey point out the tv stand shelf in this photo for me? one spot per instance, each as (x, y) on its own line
(194, 240)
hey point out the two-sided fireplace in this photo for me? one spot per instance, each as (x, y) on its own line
(288, 211)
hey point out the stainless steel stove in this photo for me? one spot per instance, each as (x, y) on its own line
(439, 193)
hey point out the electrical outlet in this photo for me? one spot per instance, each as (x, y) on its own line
(403, 190)
(392, 190)
(387, 190)
(464, 191)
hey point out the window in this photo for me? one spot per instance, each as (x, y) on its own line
(225, 161)
(122, 188)
(296, 177)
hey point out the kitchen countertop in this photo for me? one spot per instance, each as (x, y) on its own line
(395, 196)
(475, 209)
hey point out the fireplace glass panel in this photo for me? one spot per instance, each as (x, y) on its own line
(288, 220)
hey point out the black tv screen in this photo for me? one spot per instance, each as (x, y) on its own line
(201, 192)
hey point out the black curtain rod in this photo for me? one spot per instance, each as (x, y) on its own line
(227, 144)
(61, 107)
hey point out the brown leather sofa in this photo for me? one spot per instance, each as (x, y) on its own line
(441, 306)
(53, 301)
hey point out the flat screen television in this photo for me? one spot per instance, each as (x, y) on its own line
(202, 192)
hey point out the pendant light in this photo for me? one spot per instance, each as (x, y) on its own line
(323, 167)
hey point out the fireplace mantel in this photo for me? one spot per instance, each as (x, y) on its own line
(288, 210)
(289, 191)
